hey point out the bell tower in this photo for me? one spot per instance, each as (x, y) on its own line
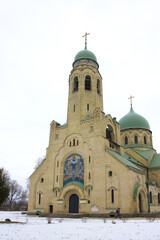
(85, 87)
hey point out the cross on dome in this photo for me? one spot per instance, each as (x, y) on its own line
(131, 99)
(85, 35)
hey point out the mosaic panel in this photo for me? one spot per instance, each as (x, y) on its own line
(73, 169)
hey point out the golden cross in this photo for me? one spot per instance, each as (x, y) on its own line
(85, 35)
(131, 99)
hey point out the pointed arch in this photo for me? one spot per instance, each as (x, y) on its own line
(98, 86)
(88, 82)
(135, 139)
(110, 133)
(126, 140)
(75, 84)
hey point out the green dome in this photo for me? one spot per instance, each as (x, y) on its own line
(85, 54)
(133, 120)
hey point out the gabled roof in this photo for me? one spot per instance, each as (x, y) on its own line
(125, 161)
(146, 154)
(131, 159)
(155, 162)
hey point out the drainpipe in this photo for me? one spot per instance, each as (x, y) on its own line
(147, 184)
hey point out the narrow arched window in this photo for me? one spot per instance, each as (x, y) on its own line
(77, 142)
(136, 139)
(126, 140)
(87, 82)
(145, 140)
(89, 159)
(98, 86)
(89, 192)
(89, 176)
(158, 198)
(150, 197)
(39, 198)
(87, 107)
(75, 85)
(70, 144)
(74, 142)
(112, 196)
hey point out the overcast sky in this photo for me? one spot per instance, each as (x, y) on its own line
(38, 43)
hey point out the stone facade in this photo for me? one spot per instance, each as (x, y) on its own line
(89, 168)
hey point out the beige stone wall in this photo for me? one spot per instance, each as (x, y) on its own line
(88, 138)
(92, 145)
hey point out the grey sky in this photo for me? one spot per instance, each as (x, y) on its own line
(38, 43)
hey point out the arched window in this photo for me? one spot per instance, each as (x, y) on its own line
(136, 139)
(39, 198)
(87, 82)
(150, 197)
(42, 180)
(126, 140)
(145, 140)
(89, 159)
(74, 142)
(108, 133)
(87, 107)
(158, 198)
(98, 86)
(77, 142)
(89, 175)
(112, 196)
(89, 192)
(75, 85)
(110, 174)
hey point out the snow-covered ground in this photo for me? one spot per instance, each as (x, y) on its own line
(36, 228)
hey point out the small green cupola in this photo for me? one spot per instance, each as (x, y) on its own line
(133, 120)
(85, 57)
(85, 54)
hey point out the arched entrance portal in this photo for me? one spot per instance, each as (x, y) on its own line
(74, 204)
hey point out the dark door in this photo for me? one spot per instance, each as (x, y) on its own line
(73, 204)
(140, 203)
(51, 208)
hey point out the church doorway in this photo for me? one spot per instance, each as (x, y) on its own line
(74, 204)
(50, 208)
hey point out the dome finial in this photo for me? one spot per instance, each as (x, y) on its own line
(85, 35)
(131, 100)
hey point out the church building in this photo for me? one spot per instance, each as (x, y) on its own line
(95, 164)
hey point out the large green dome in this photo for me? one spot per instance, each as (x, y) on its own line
(85, 54)
(133, 120)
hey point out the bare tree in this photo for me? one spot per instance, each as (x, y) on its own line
(39, 161)
(15, 193)
(22, 203)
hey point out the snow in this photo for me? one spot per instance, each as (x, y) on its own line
(37, 228)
